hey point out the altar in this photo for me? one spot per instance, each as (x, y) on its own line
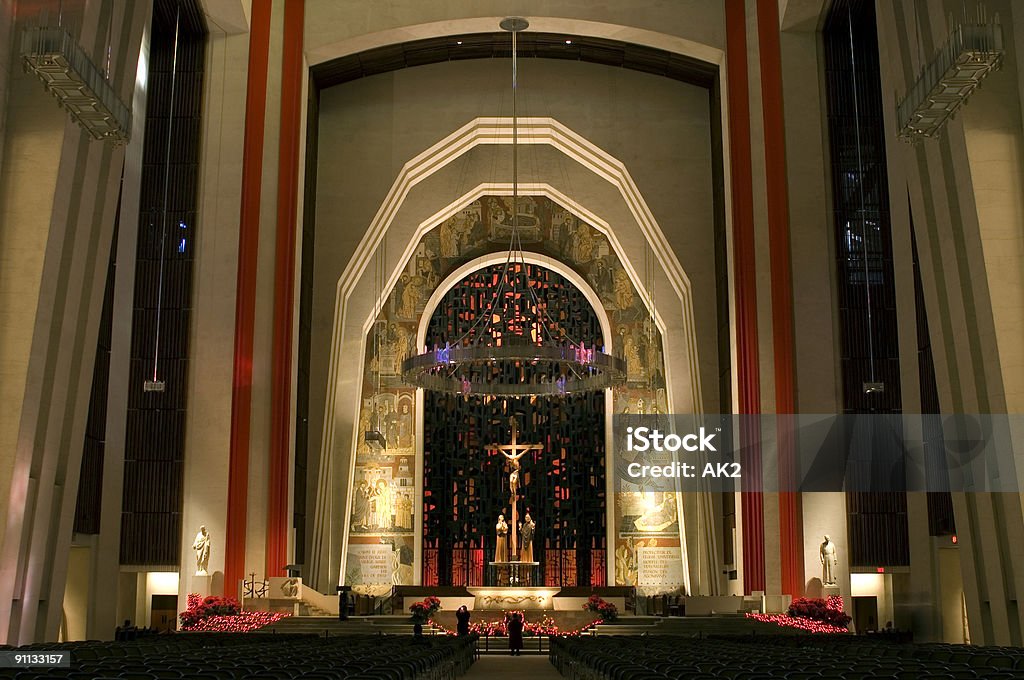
(526, 597)
(507, 598)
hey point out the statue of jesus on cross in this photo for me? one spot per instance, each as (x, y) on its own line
(514, 452)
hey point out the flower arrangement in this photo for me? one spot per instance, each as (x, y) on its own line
(423, 610)
(546, 626)
(606, 610)
(200, 608)
(817, 609)
(223, 614)
(814, 615)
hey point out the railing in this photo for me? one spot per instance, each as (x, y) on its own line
(501, 643)
(385, 603)
(326, 603)
(253, 589)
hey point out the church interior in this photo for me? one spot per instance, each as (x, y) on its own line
(386, 339)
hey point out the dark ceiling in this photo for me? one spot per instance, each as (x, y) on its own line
(193, 22)
(498, 45)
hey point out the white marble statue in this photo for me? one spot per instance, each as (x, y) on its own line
(827, 553)
(202, 547)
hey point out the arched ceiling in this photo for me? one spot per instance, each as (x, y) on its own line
(530, 45)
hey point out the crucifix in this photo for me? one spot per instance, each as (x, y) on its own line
(514, 452)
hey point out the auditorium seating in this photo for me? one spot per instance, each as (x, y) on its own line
(800, 657)
(228, 656)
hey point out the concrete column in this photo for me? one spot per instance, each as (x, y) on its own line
(105, 565)
(816, 344)
(965, 199)
(208, 425)
(58, 193)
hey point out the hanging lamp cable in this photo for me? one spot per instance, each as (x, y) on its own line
(156, 384)
(521, 337)
(872, 386)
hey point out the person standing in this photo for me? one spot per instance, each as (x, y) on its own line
(462, 617)
(515, 634)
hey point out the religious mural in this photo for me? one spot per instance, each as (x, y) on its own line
(387, 477)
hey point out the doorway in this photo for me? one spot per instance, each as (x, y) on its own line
(165, 613)
(865, 614)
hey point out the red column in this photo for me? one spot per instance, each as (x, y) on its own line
(747, 369)
(245, 300)
(284, 290)
(790, 523)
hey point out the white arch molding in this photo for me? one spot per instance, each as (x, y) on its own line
(538, 24)
(488, 131)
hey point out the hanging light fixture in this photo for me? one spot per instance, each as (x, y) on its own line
(872, 385)
(514, 347)
(156, 384)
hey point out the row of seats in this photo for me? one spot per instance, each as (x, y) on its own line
(244, 656)
(798, 657)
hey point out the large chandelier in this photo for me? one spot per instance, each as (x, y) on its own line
(515, 347)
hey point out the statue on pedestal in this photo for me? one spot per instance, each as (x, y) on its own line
(827, 552)
(501, 551)
(527, 530)
(202, 547)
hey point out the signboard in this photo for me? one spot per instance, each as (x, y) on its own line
(659, 567)
(369, 564)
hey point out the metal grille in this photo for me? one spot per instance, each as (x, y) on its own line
(465, 484)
